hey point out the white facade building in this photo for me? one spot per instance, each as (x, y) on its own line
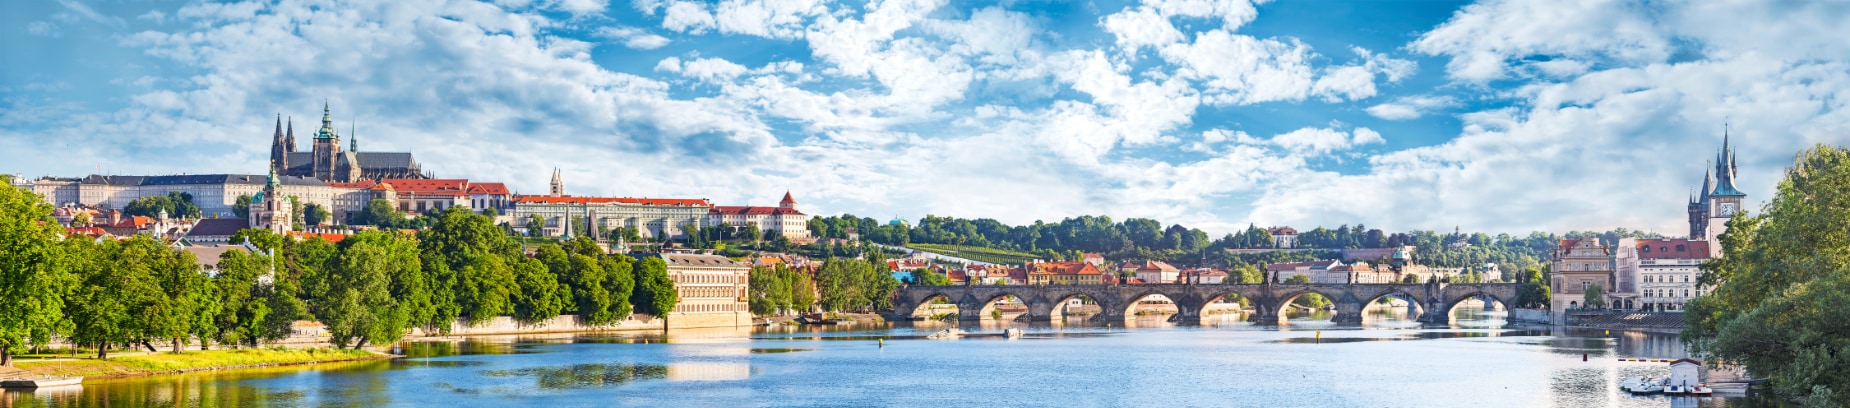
(1668, 272)
(783, 220)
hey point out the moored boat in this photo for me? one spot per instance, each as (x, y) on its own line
(1642, 385)
(40, 382)
(1700, 390)
(1675, 389)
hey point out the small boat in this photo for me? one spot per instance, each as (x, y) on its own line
(1675, 389)
(1642, 385)
(1700, 390)
(40, 382)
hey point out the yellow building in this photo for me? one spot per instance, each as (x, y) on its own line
(712, 288)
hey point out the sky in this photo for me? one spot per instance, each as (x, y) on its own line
(1497, 116)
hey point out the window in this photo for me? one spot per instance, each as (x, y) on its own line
(1679, 247)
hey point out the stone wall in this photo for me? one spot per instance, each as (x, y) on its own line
(1530, 316)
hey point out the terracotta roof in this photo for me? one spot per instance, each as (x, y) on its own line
(367, 184)
(685, 202)
(488, 188)
(748, 210)
(1064, 268)
(313, 235)
(1672, 249)
(1282, 231)
(436, 187)
(88, 231)
(787, 199)
(136, 222)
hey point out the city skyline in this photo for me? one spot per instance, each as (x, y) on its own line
(1494, 116)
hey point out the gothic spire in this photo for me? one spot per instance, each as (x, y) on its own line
(353, 137)
(1708, 182)
(1724, 170)
(289, 141)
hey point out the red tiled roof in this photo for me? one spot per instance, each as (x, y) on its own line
(749, 210)
(686, 202)
(1282, 231)
(1672, 249)
(136, 222)
(335, 238)
(488, 188)
(87, 231)
(1064, 268)
(787, 199)
(367, 184)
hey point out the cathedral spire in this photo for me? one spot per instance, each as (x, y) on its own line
(353, 137)
(289, 141)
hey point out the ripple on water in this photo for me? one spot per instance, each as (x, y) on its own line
(586, 375)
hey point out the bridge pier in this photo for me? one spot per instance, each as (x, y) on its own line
(1348, 313)
(1263, 313)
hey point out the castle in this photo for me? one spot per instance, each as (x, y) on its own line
(327, 162)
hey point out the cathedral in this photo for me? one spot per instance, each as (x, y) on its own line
(327, 162)
(1718, 201)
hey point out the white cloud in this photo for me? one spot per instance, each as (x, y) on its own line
(1411, 107)
(43, 29)
(1140, 27)
(632, 37)
(1485, 38)
(689, 17)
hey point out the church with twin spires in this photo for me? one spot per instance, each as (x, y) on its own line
(327, 162)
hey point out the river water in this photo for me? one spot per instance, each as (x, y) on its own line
(1388, 362)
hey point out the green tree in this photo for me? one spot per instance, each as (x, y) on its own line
(1410, 278)
(187, 302)
(925, 277)
(655, 292)
(182, 205)
(1595, 296)
(468, 261)
(1534, 291)
(34, 273)
(1779, 306)
(380, 213)
(541, 296)
(242, 313)
(242, 207)
(354, 299)
(149, 206)
(1248, 274)
(536, 225)
(314, 214)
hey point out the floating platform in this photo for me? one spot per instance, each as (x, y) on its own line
(41, 382)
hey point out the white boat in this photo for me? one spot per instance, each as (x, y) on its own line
(1642, 385)
(40, 382)
(1700, 390)
(1675, 389)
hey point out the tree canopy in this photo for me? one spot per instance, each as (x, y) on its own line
(1781, 303)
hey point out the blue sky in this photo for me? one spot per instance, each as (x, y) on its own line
(1503, 116)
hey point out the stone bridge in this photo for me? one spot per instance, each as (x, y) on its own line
(1268, 301)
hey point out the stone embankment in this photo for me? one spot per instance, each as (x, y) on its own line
(1661, 322)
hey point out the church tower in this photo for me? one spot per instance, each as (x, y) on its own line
(788, 203)
(558, 184)
(327, 146)
(278, 155)
(1725, 200)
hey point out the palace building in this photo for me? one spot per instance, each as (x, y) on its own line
(327, 162)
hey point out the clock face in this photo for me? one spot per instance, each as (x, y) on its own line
(1727, 209)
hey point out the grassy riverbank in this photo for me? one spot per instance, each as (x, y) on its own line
(192, 360)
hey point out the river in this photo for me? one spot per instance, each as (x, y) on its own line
(1388, 362)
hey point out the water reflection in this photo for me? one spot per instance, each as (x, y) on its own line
(1388, 361)
(586, 375)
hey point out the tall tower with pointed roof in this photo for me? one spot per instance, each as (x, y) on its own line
(1719, 199)
(788, 203)
(558, 184)
(278, 155)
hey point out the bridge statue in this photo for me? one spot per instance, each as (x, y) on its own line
(1269, 300)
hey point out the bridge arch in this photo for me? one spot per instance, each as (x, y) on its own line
(1287, 296)
(1462, 293)
(920, 305)
(986, 307)
(1415, 305)
(1061, 308)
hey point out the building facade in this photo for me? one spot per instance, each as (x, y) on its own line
(783, 220)
(653, 218)
(214, 194)
(1670, 272)
(713, 290)
(1576, 265)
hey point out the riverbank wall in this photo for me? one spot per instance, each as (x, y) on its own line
(1668, 322)
(1531, 316)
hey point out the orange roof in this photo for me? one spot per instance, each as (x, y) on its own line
(749, 210)
(1063, 268)
(313, 235)
(88, 231)
(136, 222)
(686, 202)
(488, 188)
(360, 184)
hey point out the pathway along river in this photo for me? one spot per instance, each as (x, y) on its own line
(1389, 362)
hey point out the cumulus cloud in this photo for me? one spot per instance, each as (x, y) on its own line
(632, 37)
(1411, 107)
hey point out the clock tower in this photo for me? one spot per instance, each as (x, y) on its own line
(1724, 201)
